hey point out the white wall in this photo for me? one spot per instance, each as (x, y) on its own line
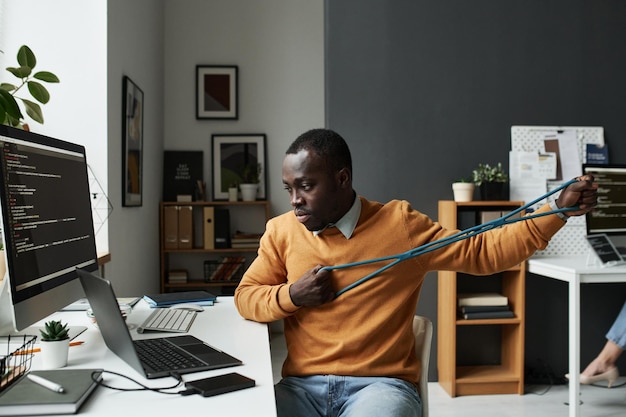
(278, 46)
(68, 38)
(135, 49)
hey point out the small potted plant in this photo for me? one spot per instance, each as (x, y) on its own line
(492, 182)
(55, 344)
(463, 190)
(250, 182)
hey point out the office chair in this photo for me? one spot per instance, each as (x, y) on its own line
(423, 331)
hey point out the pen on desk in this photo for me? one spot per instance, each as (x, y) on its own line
(53, 386)
(35, 350)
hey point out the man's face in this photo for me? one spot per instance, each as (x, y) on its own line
(313, 189)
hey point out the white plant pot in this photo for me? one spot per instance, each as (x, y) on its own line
(248, 191)
(232, 194)
(54, 353)
(463, 191)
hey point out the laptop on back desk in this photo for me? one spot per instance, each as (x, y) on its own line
(194, 355)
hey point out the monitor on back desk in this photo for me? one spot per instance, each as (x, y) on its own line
(609, 216)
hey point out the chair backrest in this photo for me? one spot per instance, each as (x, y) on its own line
(423, 331)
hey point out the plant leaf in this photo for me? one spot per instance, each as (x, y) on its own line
(10, 105)
(26, 57)
(33, 110)
(39, 92)
(3, 114)
(8, 87)
(20, 72)
(46, 76)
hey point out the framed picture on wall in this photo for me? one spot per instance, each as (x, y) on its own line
(132, 143)
(216, 92)
(233, 155)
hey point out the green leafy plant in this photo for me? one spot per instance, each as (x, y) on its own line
(487, 173)
(10, 112)
(54, 330)
(251, 174)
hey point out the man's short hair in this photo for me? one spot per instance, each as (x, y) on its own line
(327, 144)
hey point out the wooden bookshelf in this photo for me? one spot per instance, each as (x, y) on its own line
(506, 376)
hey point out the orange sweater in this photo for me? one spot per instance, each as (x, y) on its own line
(367, 331)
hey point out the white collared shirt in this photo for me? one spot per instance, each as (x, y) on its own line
(347, 223)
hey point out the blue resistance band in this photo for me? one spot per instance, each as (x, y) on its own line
(462, 235)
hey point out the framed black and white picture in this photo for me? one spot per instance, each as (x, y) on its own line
(216, 92)
(232, 155)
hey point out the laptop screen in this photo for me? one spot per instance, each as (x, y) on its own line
(610, 214)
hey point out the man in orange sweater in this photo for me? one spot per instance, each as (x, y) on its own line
(354, 354)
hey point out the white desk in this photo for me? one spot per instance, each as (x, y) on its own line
(575, 271)
(220, 326)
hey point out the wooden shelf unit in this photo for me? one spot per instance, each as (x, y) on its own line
(247, 216)
(506, 377)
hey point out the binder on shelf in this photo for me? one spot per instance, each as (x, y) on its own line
(222, 229)
(209, 227)
(170, 227)
(185, 227)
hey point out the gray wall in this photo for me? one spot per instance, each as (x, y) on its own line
(423, 91)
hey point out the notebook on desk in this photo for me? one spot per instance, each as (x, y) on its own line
(198, 356)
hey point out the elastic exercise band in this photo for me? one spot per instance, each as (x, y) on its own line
(462, 235)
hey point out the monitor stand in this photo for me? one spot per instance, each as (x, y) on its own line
(7, 326)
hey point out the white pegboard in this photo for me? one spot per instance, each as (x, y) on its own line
(570, 240)
(530, 138)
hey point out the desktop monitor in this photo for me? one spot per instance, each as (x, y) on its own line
(609, 216)
(47, 226)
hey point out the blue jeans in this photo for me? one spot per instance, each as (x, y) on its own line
(336, 396)
(617, 332)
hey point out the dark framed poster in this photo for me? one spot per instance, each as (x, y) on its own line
(183, 176)
(132, 143)
(216, 92)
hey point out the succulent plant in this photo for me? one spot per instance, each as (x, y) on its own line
(54, 330)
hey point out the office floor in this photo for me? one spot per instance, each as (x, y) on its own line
(539, 400)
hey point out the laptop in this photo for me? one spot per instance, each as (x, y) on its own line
(609, 216)
(605, 250)
(198, 356)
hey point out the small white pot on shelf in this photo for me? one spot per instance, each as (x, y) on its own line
(248, 191)
(463, 191)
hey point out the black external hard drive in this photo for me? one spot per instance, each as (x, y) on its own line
(220, 384)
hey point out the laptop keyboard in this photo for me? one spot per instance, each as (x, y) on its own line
(161, 355)
(168, 320)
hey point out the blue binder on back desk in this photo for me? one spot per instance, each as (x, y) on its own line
(172, 298)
